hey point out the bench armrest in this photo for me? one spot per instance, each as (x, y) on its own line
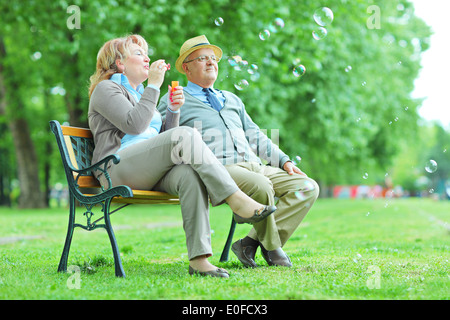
(73, 173)
(101, 166)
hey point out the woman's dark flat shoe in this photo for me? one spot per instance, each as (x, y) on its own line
(259, 215)
(220, 273)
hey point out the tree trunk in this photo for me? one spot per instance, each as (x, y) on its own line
(74, 94)
(31, 195)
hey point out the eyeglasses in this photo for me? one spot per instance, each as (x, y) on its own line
(204, 58)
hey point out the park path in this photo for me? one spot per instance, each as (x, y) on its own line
(12, 239)
(7, 240)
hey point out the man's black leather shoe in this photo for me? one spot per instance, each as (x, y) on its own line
(276, 257)
(245, 254)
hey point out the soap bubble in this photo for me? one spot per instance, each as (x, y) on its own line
(277, 25)
(238, 63)
(431, 166)
(219, 21)
(320, 33)
(296, 161)
(243, 65)
(323, 16)
(264, 35)
(366, 175)
(58, 90)
(300, 195)
(348, 68)
(241, 84)
(299, 70)
(357, 258)
(252, 69)
(308, 186)
(36, 56)
(234, 60)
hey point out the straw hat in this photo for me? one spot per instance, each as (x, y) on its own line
(194, 44)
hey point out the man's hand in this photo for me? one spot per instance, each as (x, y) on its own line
(291, 169)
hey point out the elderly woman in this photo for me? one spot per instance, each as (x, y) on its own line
(159, 155)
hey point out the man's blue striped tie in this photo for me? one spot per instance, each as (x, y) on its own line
(212, 99)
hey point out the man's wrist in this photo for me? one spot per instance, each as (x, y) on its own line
(284, 160)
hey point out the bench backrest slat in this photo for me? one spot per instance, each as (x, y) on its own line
(76, 132)
(80, 146)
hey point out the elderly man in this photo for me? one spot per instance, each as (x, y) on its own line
(236, 140)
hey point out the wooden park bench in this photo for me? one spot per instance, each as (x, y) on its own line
(76, 146)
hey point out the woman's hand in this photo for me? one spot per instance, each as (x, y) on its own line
(176, 98)
(156, 72)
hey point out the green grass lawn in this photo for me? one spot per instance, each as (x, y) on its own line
(344, 249)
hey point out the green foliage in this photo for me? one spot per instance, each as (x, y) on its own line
(341, 123)
(431, 143)
(440, 152)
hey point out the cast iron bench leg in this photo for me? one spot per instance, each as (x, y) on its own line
(65, 254)
(226, 248)
(117, 261)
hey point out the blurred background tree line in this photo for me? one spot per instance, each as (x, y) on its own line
(349, 117)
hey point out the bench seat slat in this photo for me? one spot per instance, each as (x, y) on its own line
(146, 199)
(139, 196)
(87, 181)
(143, 195)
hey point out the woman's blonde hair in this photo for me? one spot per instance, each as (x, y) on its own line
(112, 50)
